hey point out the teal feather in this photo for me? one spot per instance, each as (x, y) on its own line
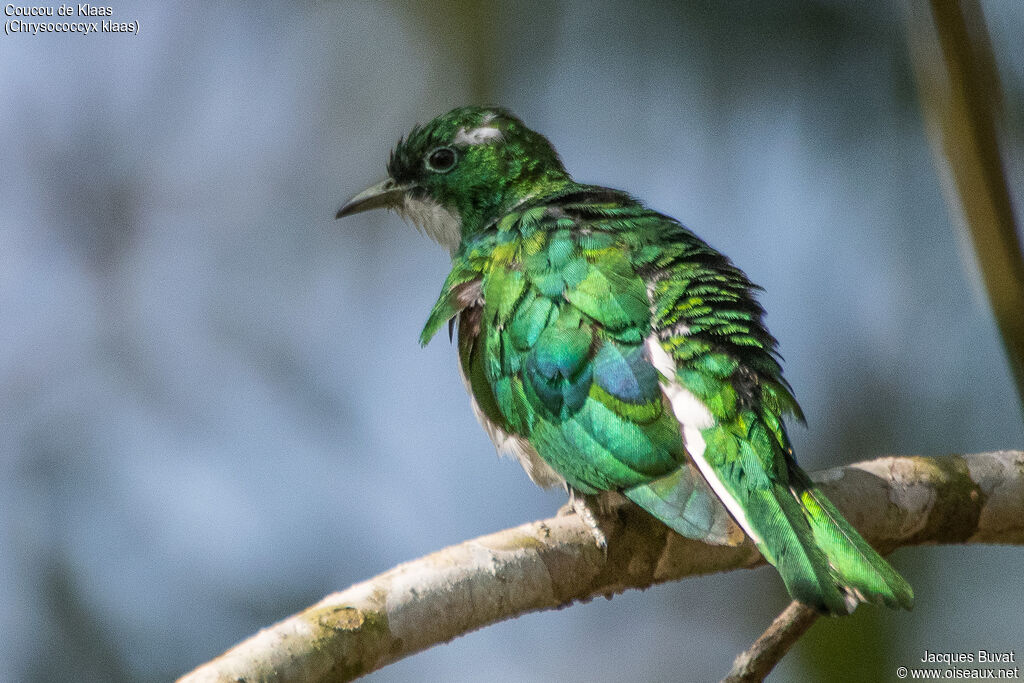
(627, 353)
(683, 501)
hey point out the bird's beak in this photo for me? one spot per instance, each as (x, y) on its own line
(386, 194)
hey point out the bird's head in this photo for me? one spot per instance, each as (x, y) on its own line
(462, 171)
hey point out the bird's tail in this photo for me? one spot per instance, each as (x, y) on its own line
(823, 561)
(860, 573)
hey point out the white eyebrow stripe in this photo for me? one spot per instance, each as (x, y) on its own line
(477, 136)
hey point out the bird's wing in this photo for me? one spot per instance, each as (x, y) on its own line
(726, 387)
(555, 350)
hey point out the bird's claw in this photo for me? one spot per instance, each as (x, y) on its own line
(579, 505)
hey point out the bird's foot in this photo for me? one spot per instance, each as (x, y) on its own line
(594, 512)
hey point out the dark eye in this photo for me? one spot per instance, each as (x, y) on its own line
(441, 160)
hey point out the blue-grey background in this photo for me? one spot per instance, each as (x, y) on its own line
(214, 410)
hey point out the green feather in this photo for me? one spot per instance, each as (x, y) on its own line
(564, 293)
(683, 501)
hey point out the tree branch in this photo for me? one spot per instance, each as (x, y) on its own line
(753, 664)
(552, 563)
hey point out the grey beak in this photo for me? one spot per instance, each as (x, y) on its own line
(385, 194)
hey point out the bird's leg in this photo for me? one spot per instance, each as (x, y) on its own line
(594, 510)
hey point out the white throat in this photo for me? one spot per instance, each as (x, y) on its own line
(437, 222)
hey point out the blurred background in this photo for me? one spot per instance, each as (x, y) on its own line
(214, 407)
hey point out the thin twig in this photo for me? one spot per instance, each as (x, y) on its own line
(757, 661)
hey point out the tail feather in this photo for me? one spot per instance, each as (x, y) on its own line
(858, 568)
(823, 561)
(785, 538)
(745, 459)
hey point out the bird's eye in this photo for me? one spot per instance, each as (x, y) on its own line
(441, 160)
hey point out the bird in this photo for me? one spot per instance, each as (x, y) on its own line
(613, 352)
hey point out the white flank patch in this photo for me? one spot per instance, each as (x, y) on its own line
(694, 416)
(477, 136)
(440, 224)
(539, 471)
(687, 408)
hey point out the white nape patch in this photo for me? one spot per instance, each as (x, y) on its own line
(694, 416)
(539, 471)
(477, 136)
(437, 222)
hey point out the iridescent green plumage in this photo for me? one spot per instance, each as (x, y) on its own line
(610, 348)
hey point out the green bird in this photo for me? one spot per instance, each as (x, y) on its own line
(612, 351)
